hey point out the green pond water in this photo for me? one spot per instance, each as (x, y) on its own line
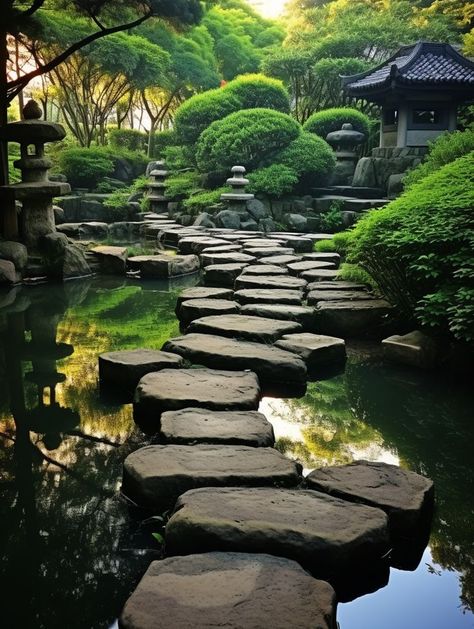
(71, 550)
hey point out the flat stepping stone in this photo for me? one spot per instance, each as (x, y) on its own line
(323, 257)
(197, 425)
(263, 269)
(406, 497)
(298, 268)
(336, 285)
(196, 244)
(244, 327)
(284, 282)
(282, 260)
(271, 364)
(203, 292)
(222, 249)
(208, 259)
(350, 318)
(328, 536)
(198, 308)
(300, 244)
(315, 349)
(316, 296)
(155, 476)
(223, 274)
(415, 349)
(262, 242)
(304, 315)
(112, 260)
(269, 296)
(163, 266)
(235, 590)
(316, 275)
(124, 369)
(264, 252)
(173, 389)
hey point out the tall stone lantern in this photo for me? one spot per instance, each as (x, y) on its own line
(35, 191)
(345, 142)
(237, 199)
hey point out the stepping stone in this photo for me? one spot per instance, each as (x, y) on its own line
(262, 242)
(222, 249)
(299, 244)
(298, 268)
(124, 369)
(173, 389)
(282, 260)
(304, 315)
(155, 476)
(323, 257)
(316, 350)
(316, 296)
(336, 285)
(222, 274)
(263, 269)
(196, 244)
(271, 364)
(198, 308)
(203, 292)
(163, 266)
(320, 274)
(208, 259)
(406, 497)
(112, 260)
(284, 282)
(197, 425)
(234, 590)
(414, 349)
(269, 296)
(326, 535)
(264, 252)
(317, 237)
(351, 318)
(244, 327)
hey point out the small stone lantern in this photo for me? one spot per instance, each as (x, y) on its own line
(344, 143)
(157, 187)
(35, 191)
(237, 199)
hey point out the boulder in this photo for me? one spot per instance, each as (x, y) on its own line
(164, 266)
(124, 369)
(228, 219)
(265, 224)
(196, 425)
(316, 350)
(271, 364)
(415, 349)
(173, 389)
(198, 308)
(257, 209)
(249, 225)
(155, 476)
(235, 589)
(246, 327)
(204, 220)
(74, 263)
(7, 273)
(59, 214)
(283, 282)
(54, 245)
(326, 535)
(14, 252)
(92, 230)
(296, 222)
(112, 260)
(352, 318)
(268, 296)
(222, 274)
(303, 315)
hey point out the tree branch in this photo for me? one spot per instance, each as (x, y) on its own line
(37, 4)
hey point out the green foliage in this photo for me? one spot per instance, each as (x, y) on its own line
(248, 137)
(184, 184)
(273, 181)
(204, 200)
(323, 122)
(84, 168)
(178, 157)
(331, 221)
(257, 90)
(310, 157)
(418, 249)
(443, 150)
(130, 139)
(339, 243)
(117, 203)
(354, 273)
(161, 141)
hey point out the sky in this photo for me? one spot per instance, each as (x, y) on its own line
(268, 8)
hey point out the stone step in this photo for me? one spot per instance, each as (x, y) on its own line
(299, 244)
(245, 327)
(197, 425)
(203, 292)
(316, 275)
(328, 536)
(198, 308)
(279, 282)
(164, 266)
(155, 476)
(336, 285)
(268, 296)
(303, 315)
(359, 205)
(297, 268)
(208, 259)
(222, 249)
(335, 258)
(271, 364)
(174, 389)
(361, 192)
(265, 252)
(316, 350)
(196, 244)
(352, 318)
(264, 269)
(223, 275)
(281, 260)
(315, 297)
(234, 590)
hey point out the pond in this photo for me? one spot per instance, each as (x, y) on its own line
(71, 549)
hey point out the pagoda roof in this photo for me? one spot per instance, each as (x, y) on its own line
(421, 65)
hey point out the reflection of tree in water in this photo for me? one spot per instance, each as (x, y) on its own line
(331, 432)
(428, 419)
(66, 556)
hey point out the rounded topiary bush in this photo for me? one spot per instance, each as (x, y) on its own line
(323, 122)
(248, 137)
(257, 90)
(310, 157)
(273, 181)
(85, 167)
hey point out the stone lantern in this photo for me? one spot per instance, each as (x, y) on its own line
(344, 143)
(237, 199)
(35, 191)
(157, 187)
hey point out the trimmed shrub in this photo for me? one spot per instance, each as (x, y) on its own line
(161, 141)
(257, 90)
(273, 181)
(323, 122)
(178, 157)
(443, 150)
(180, 185)
(419, 250)
(85, 167)
(248, 137)
(339, 243)
(310, 157)
(128, 139)
(204, 200)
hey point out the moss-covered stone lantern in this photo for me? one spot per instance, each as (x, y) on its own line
(345, 143)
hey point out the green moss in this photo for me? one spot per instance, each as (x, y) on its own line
(323, 122)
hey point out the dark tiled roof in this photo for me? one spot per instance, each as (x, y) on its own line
(421, 64)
